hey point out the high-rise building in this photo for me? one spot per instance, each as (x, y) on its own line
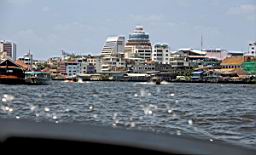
(112, 53)
(161, 53)
(9, 48)
(138, 45)
(113, 45)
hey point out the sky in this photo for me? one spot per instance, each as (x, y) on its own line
(45, 27)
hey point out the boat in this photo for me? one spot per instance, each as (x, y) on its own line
(156, 80)
(136, 77)
(11, 73)
(37, 77)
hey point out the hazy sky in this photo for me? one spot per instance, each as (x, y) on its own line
(48, 26)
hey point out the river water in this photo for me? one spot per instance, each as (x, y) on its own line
(213, 111)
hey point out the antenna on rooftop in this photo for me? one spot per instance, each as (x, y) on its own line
(202, 42)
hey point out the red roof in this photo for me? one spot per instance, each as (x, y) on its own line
(22, 65)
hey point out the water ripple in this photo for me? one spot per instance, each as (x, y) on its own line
(212, 111)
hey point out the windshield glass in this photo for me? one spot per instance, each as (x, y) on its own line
(177, 67)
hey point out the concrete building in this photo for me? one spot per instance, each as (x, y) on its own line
(70, 68)
(112, 54)
(96, 61)
(236, 53)
(143, 68)
(218, 54)
(73, 68)
(161, 53)
(85, 67)
(178, 60)
(113, 45)
(188, 57)
(9, 48)
(252, 49)
(138, 45)
(27, 59)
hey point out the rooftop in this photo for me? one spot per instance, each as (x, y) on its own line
(233, 61)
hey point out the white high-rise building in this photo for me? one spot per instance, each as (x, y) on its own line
(138, 45)
(9, 48)
(113, 45)
(161, 53)
(112, 53)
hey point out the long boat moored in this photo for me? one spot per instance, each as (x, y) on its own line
(34, 77)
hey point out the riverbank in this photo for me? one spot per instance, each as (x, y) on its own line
(170, 81)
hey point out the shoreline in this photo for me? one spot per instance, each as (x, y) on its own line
(219, 82)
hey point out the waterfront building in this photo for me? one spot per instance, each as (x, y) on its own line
(73, 68)
(252, 49)
(92, 59)
(178, 60)
(112, 54)
(187, 58)
(161, 53)
(236, 53)
(70, 68)
(27, 59)
(96, 61)
(85, 67)
(55, 74)
(218, 54)
(144, 68)
(9, 48)
(138, 45)
(163, 68)
(233, 63)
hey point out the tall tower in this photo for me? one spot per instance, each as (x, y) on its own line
(111, 52)
(138, 44)
(9, 48)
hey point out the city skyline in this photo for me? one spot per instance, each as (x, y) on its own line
(45, 28)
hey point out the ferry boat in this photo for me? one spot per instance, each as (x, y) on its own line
(33, 77)
(11, 73)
